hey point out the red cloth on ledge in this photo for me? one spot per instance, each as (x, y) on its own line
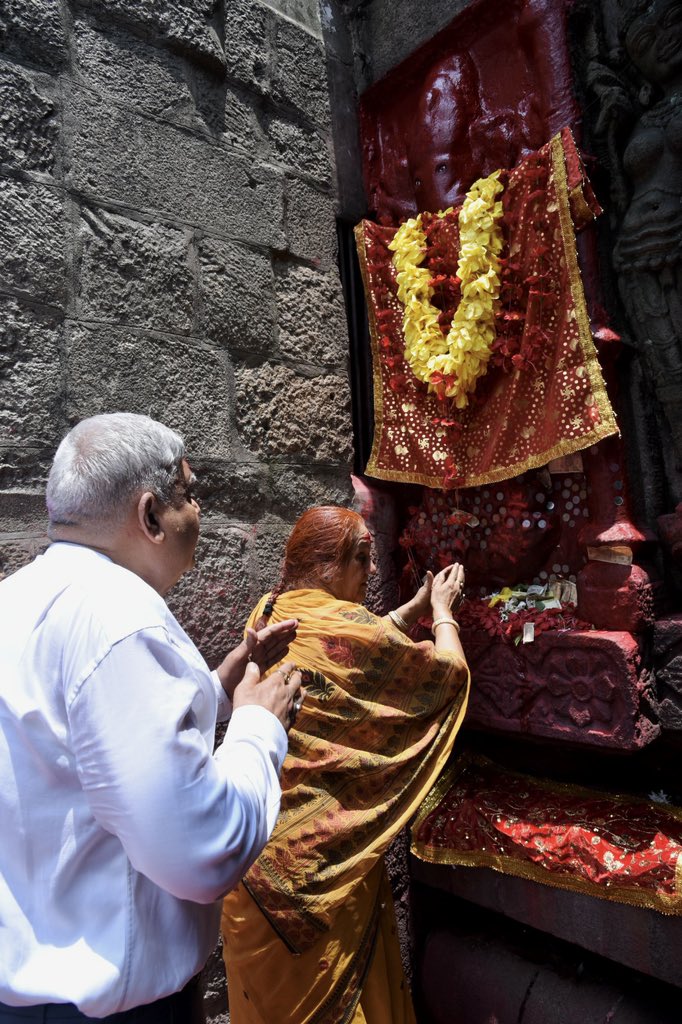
(613, 847)
(543, 395)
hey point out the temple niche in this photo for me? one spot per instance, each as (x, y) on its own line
(547, 459)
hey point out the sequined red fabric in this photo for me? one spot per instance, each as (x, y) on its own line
(605, 845)
(543, 395)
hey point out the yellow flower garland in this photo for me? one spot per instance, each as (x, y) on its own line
(462, 355)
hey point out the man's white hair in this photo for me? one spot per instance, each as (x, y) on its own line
(105, 461)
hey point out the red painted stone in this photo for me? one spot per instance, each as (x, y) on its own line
(584, 688)
(453, 111)
(615, 597)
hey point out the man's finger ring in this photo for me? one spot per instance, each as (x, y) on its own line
(298, 704)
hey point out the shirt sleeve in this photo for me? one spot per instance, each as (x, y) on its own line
(191, 821)
(224, 702)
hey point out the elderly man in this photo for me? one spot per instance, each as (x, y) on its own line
(121, 829)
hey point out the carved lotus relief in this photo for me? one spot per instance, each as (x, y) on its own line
(579, 691)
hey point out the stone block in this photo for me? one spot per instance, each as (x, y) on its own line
(30, 375)
(294, 489)
(184, 25)
(668, 671)
(485, 971)
(33, 31)
(615, 596)
(585, 688)
(32, 240)
(22, 512)
(299, 74)
(638, 938)
(311, 318)
(237, 291)
(269, 543)
(230, 489)
(29, 125)
(245, 490)
(247, 30)
(281, 414)
(23, 469)
(14, 554)
(213, 601)
(182, 384)
(157, 82)
(170, 171)
(310, 223)
(135, 273)
(299, 149)
(305, 13)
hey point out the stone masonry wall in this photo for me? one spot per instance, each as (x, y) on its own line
(168, 246)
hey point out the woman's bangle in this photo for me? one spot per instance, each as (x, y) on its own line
(440, 622)
(398, 621)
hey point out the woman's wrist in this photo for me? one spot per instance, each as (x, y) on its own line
(442, 612)
(409, 612)
(444, 620)
(398, 620)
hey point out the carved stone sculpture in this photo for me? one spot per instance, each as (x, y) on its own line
(639, 87)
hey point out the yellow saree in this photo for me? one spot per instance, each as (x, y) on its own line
(309, 937)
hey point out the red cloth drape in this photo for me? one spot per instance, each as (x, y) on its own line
(614, 847)
(543, 395)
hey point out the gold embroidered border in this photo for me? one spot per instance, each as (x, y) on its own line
(608, 423)
(567, 447)
(372, 468)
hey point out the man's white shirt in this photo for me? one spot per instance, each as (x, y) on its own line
(121, 828)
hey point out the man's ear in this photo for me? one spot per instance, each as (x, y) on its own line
(148, 517)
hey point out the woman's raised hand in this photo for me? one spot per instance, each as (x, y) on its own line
(447, 590)
(421, 602)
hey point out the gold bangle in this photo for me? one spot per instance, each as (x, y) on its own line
(440, 622)
(398, 621)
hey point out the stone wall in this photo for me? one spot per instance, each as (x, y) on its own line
(168, 246)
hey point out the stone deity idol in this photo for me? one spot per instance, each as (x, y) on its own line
(647, 255)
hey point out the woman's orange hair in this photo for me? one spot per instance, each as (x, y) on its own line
(320, 544)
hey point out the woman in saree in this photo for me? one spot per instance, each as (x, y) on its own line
(310, 935)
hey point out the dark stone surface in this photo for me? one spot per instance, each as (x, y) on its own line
(188, 26)
(668, 671)
(476, 966)
(29, 120)
(33, 240)
(33, 32)
(636, 937)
